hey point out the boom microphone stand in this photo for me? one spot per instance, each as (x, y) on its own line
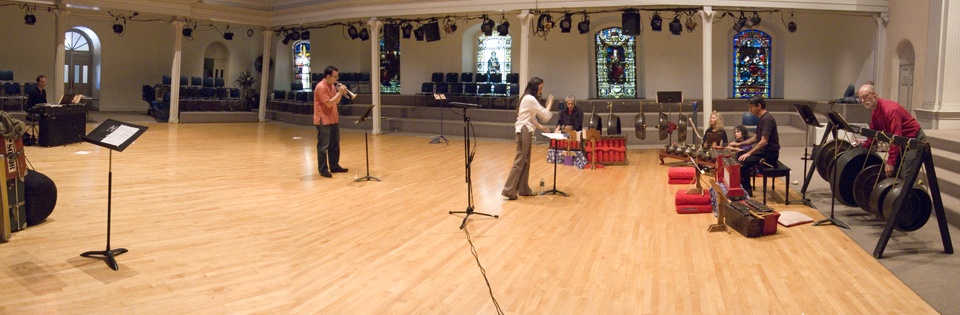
(467, 160)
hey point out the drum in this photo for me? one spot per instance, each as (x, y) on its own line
(915, 210)
(826, 153)
(863, 185)
(848, 166)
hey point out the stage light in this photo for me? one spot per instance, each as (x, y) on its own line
(754, 20)
(29, 18)
(407, 29)
(738, 25)
(364, 34)
(675, 27)
(487, 26)
(544, 23)
(584, 26)
(227, 34)
(656, 22)
(450, 27)
(691, 25)
(187, 32)
(352, 31)
(566, 23)
(294, 35)
(305, 35)
(418, 33)
(792, 26)
(503, 28)
(117, 27)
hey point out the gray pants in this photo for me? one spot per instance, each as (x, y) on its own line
(517, 182)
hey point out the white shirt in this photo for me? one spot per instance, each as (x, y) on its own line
(530, 109)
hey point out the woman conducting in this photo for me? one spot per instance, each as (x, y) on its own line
(528, 110)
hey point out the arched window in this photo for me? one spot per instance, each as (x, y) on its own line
(751, 64)
(389, 68)
(494, 56)
(78, 63)
(616, 64)
(301, 64)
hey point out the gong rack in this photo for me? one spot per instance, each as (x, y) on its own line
(915, 153)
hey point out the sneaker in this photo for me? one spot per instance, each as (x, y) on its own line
(326, 174)
(338, 170)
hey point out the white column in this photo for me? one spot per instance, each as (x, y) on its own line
(524, 63)
(941, 108)
(375, 72)
(880, 59)
(706, 20)
(175, 72)
(265, 75)
(60, 59)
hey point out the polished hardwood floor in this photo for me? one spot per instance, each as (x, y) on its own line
(234, 219)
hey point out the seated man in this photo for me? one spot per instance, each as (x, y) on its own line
(38, 95)
(571, 117)
(892, 118)
(766, 143)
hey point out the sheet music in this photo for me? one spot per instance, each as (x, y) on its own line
(120, 135)
(556, 135)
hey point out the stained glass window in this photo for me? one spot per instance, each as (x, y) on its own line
(494, 56)
(616, 64)
(389, 69)
(751, 64)
(301, 63)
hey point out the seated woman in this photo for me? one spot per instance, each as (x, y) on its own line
(740, 134)
(716, 127)
(571, 116)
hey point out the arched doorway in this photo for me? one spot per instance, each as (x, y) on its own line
(215, 60)
(905, 74)
(78, 63)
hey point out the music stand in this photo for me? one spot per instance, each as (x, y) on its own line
(811, 120)
(115, 136)
(838, 123)
(366, 145)
(467, 162)
(555, 136)
(440, 98)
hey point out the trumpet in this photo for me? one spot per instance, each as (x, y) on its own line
(344, 87)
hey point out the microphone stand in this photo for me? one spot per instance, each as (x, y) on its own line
(468, 160)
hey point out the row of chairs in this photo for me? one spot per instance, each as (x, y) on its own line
(490, 93)
(358, 80)
(470, 77)
(196, 81)
(297, 102)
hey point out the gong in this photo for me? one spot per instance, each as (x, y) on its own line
(879, 193)
(827, 153)
(613, 125)
(662, 126)
(595, 122)
(915, 210)
(640, 127)
(848, 166)
(863, 185)
(682, 128)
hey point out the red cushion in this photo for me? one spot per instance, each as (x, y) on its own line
(694, 208)
(683, 198)
(685, 172)
(688, 181)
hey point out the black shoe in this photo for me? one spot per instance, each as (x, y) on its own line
(338, 170)
(326, 174)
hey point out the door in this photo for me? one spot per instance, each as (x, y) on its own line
(905, 88)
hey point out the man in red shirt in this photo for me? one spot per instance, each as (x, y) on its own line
(889, 117)
(326, 96)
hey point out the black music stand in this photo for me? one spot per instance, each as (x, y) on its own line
(555, 160)
(811, 120)
(440, 98)
(837, 123)
(366, 145)
(115, 136)
(468, 160)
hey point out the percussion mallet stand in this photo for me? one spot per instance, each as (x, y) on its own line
(468, 160)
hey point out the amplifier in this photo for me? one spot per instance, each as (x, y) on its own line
(62, 127)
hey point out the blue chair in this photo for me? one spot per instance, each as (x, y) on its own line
(426, 93)
(437, 77)
(453, 77)
(183, 80)
(6, 75)
(218, 82)
(456, 89)
(166, 80)
(296, 86)
(495, 78)
(13, 92)
(208, 82)
(196, 81)
(750, 121)
(466, 77)
(482, 77)
(442, 88)
(513, 77)
(234, 93)
(222, 93)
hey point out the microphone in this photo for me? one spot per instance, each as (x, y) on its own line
(465, 104)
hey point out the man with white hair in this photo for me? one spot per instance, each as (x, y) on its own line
(890, 117)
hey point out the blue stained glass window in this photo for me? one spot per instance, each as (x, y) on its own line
(389, 69)
(301, 63)
(751, 64)
(616, 64)
(494, 55)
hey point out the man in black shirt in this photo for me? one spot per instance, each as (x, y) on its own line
(38, 95)
(766, 143)
(571, 117)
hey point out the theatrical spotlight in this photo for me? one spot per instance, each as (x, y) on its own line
(503, 28)
(352, 31)
(29, 18)
(293, 35)
(487, 26)
(364, 34)
(418, 33)
(675, 27)
(305, 34)
(754, 20)
(738, 25)
(450, 26)
(792, 26)
(544, 23)
(117, 27)
(691, 25)
(566, 23)
(407, 29)
(656, 22)
(227, 34)
(584, 26)
(187, 32)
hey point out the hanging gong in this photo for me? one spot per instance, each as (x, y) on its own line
(662, 126)
(682, 129)
(828, 152)
(640, 126)
(613, 125)
(849, 165)
(863, 185)
(879, 193)
(595, 122)
(915, 210)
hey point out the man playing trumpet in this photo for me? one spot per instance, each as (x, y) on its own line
(326, 96)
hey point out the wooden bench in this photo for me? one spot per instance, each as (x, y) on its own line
(768, 171)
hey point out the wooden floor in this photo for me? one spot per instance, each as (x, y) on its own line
(234, 219)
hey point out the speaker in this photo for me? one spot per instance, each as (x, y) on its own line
(432, 31)
(631, 23)
(40, 197)
(391, 37)
(61, 129)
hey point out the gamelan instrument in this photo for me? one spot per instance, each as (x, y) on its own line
(613, 122)
(640, 126)
(728, 173)
(594, 122)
